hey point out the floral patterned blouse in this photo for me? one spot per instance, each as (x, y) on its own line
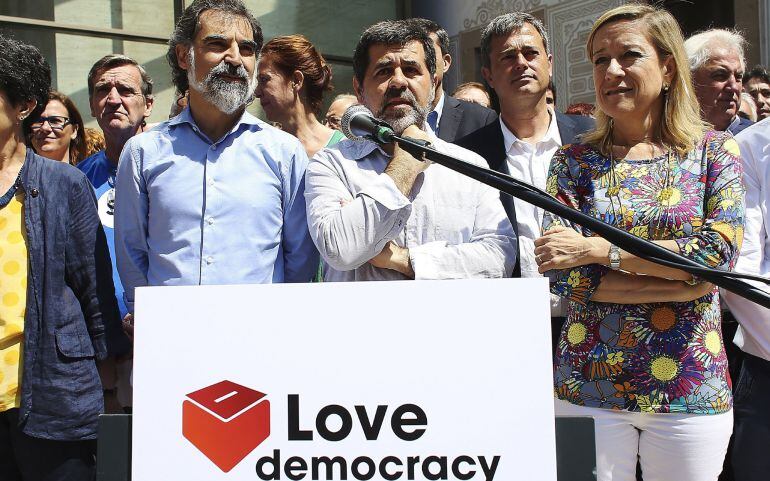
(662, 357)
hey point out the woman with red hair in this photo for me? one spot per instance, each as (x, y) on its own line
(293, 77)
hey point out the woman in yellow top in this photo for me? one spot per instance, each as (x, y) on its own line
(57, 301)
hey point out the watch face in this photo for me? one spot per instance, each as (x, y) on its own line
(614, 257)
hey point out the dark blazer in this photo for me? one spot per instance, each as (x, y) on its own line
(459, 118)
(72, 314)
(488, 143)
(741, 125)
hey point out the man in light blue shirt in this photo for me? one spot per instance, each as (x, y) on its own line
(214, 195)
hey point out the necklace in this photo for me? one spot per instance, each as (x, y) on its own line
(666, 192)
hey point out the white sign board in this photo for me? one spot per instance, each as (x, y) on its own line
(446, 380)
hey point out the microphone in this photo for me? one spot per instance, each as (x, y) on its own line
(358, 123)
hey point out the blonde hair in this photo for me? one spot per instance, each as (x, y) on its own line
(94, 140)
(681, 127)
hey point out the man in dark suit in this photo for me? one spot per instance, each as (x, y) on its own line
(717, 65)
(451, 118)
(517, 64)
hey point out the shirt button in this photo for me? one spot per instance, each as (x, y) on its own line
(210, 220)
(209, 260)
(210, 181)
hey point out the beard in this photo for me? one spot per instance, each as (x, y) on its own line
(415, 115)
(227, 95)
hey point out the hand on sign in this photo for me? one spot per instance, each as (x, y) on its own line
(395, 258)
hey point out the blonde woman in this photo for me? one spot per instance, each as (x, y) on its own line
(642, 350)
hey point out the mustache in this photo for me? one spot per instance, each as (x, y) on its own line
(398, 95)
(224, 68)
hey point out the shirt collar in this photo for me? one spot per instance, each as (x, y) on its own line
(551, 136)
(185, 117)
(736, 121)
(440, 106)
(360, 149)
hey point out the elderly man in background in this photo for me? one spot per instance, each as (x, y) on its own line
(337, 109)
(757, 83)
(120, 95)
(213, 195)
(717, 65)
(473, 92)
(376, 212)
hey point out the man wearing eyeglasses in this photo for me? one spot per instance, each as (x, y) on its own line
(120, 94)
(337, 109)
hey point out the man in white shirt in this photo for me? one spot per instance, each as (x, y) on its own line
(752, 392)
(376, 212)
(517, 64)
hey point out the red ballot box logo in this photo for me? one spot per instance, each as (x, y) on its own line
(226, 421)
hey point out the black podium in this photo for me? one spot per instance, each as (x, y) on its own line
(575, 448)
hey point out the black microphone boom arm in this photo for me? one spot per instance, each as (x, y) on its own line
(625, 240)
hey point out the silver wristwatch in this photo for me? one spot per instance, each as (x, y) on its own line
(614, 256)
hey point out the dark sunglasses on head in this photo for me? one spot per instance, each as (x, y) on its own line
(56, 122)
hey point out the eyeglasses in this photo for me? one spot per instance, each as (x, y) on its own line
(56, 122)
(332, 120)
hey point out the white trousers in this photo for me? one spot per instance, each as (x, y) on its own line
(671, 447)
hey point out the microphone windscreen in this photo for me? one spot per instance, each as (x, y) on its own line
(353, 111)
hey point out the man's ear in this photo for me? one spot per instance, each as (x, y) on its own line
(148, 102)
(550, 65)
(182, 56)
(447, 62)
(487, 74)
(358, 89)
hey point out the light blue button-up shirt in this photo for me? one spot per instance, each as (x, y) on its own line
(191, 211)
